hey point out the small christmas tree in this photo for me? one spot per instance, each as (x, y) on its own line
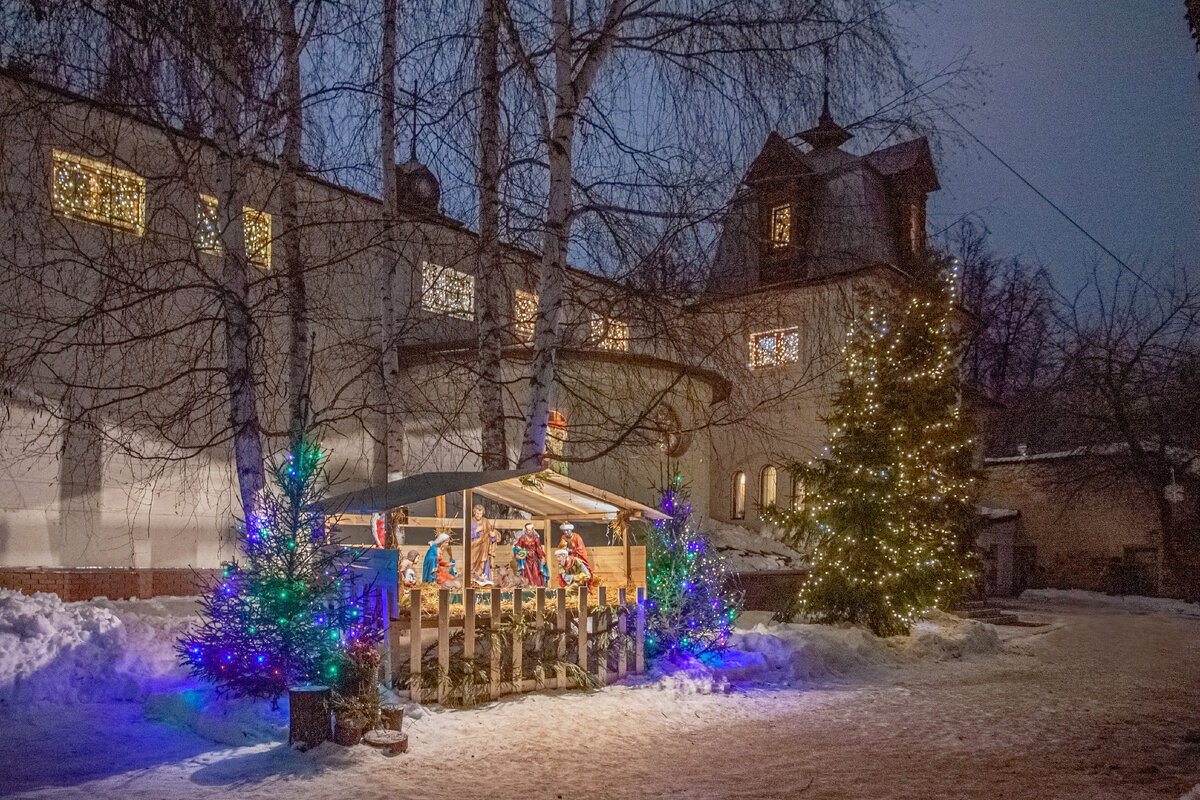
(887, 506)
(690, 606)
(281, 616)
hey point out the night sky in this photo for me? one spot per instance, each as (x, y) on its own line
(1097, 103)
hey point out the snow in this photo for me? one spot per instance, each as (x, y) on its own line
(1091, 704)
(1133, 603)
(748, 551)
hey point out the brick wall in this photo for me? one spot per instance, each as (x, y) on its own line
(771, 591)
(84, 584)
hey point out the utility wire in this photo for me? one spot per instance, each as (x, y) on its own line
(1049, 202)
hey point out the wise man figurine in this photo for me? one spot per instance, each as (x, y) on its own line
(572, 570)
(573, 542)
(531, 566)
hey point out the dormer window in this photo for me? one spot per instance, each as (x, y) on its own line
(781, 226)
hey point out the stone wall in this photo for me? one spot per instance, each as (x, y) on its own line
(84, 584)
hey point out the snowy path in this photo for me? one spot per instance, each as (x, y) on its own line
(1102, 704)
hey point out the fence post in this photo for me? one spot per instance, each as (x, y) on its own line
(468, 624)
(561, 629)
(602, 658)
(443, 642)
(622, 632)
(639, 664)
(518, 641)
(539, 617)
(414, 645)
(494, 671)
(582, 628)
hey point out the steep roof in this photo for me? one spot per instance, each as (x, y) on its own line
(912, 159)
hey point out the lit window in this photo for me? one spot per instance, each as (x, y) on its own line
(208, 232)
(781, 227)
(97, 192)
(256, 227)
(556, 439)
(768, 491)
(769, 348)
(610, 334)
(525, 306)
(739, 495)
(447, 291)
(916, 233)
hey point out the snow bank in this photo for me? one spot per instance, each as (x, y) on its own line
(803, 654)
(89, 651)
(1134, 603)
(222, 719)
(748, 551)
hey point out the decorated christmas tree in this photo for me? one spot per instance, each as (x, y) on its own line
(280, 615)
(886, 507)
(690, 606)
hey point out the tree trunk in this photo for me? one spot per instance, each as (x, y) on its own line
(490, 275)
(309, 710)
(386, 372)
(299, 328)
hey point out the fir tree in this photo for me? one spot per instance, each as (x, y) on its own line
(887, 506)
(690, 606)
(281, 615)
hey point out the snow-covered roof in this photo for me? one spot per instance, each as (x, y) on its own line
(997, 514)
(1179, 456)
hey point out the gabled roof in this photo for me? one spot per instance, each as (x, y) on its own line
(779, 158)
(912, 160)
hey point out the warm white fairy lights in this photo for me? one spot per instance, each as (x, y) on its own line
(208, 231)
(98, 192)
(256, 226)
(525, 306)
(447, 291)
(781, 227)
(609, 333)
(771, 348)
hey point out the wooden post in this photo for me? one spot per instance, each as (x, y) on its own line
(601, 659)
(622, 632)
(383, 607)
(443, 640)
(494, 671)
(539, 616)
(628, 556)
(414, 644)
(468, 623)
(466, 570)
(582, 628)
(518, 643)
(551, 561)
(639, 664)
(561, 629)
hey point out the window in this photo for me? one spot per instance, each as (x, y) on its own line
(447, 291)
(208, 232)
(770, 348)
(556, 439)
(797, 494)
(525, 306)
(739, 495)
(781, 227)
(97, 192)
(916, 232)
(256, 228)
(769, 486)
(609, 333)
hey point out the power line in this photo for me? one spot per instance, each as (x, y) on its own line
(1049, 202)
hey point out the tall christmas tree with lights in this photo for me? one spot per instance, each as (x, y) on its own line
(887, 507)
(280, 616)
(690, 606)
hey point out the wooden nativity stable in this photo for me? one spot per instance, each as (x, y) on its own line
(459, 646)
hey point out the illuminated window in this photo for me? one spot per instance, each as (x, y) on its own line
(739, 495)
(97, 192)
(525, 305)
(769, 486)
(256, 227)
(797, 494)
(447, 291)
(556, 439)
(769, 348)
(609, 333)
(208, 232)
(916, 233)
(781, 227)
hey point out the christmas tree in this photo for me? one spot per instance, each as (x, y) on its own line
(690, 606)
(888, 504)
(281, 615)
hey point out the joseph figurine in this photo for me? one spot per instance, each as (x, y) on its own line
(483, 547)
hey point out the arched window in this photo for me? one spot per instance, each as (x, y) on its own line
(768, 489)
(797, 494)
(739, 495)
(556, 439)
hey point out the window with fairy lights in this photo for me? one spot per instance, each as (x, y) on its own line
(525, 306)
(98, 192)
(256, 227)
(556, 440)
(772, 348)
(739, 496)
(768, 486)
(447, 291)
(609, 333)
(781, 227)
(208, 232)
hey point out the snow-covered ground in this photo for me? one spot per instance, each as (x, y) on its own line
(1097, 703)
(748, 551)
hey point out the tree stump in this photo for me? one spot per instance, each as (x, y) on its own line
(309, 715)
(348, 728)
(393, 717)
(392, 741)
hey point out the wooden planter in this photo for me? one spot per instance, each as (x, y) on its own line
(348, 728)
